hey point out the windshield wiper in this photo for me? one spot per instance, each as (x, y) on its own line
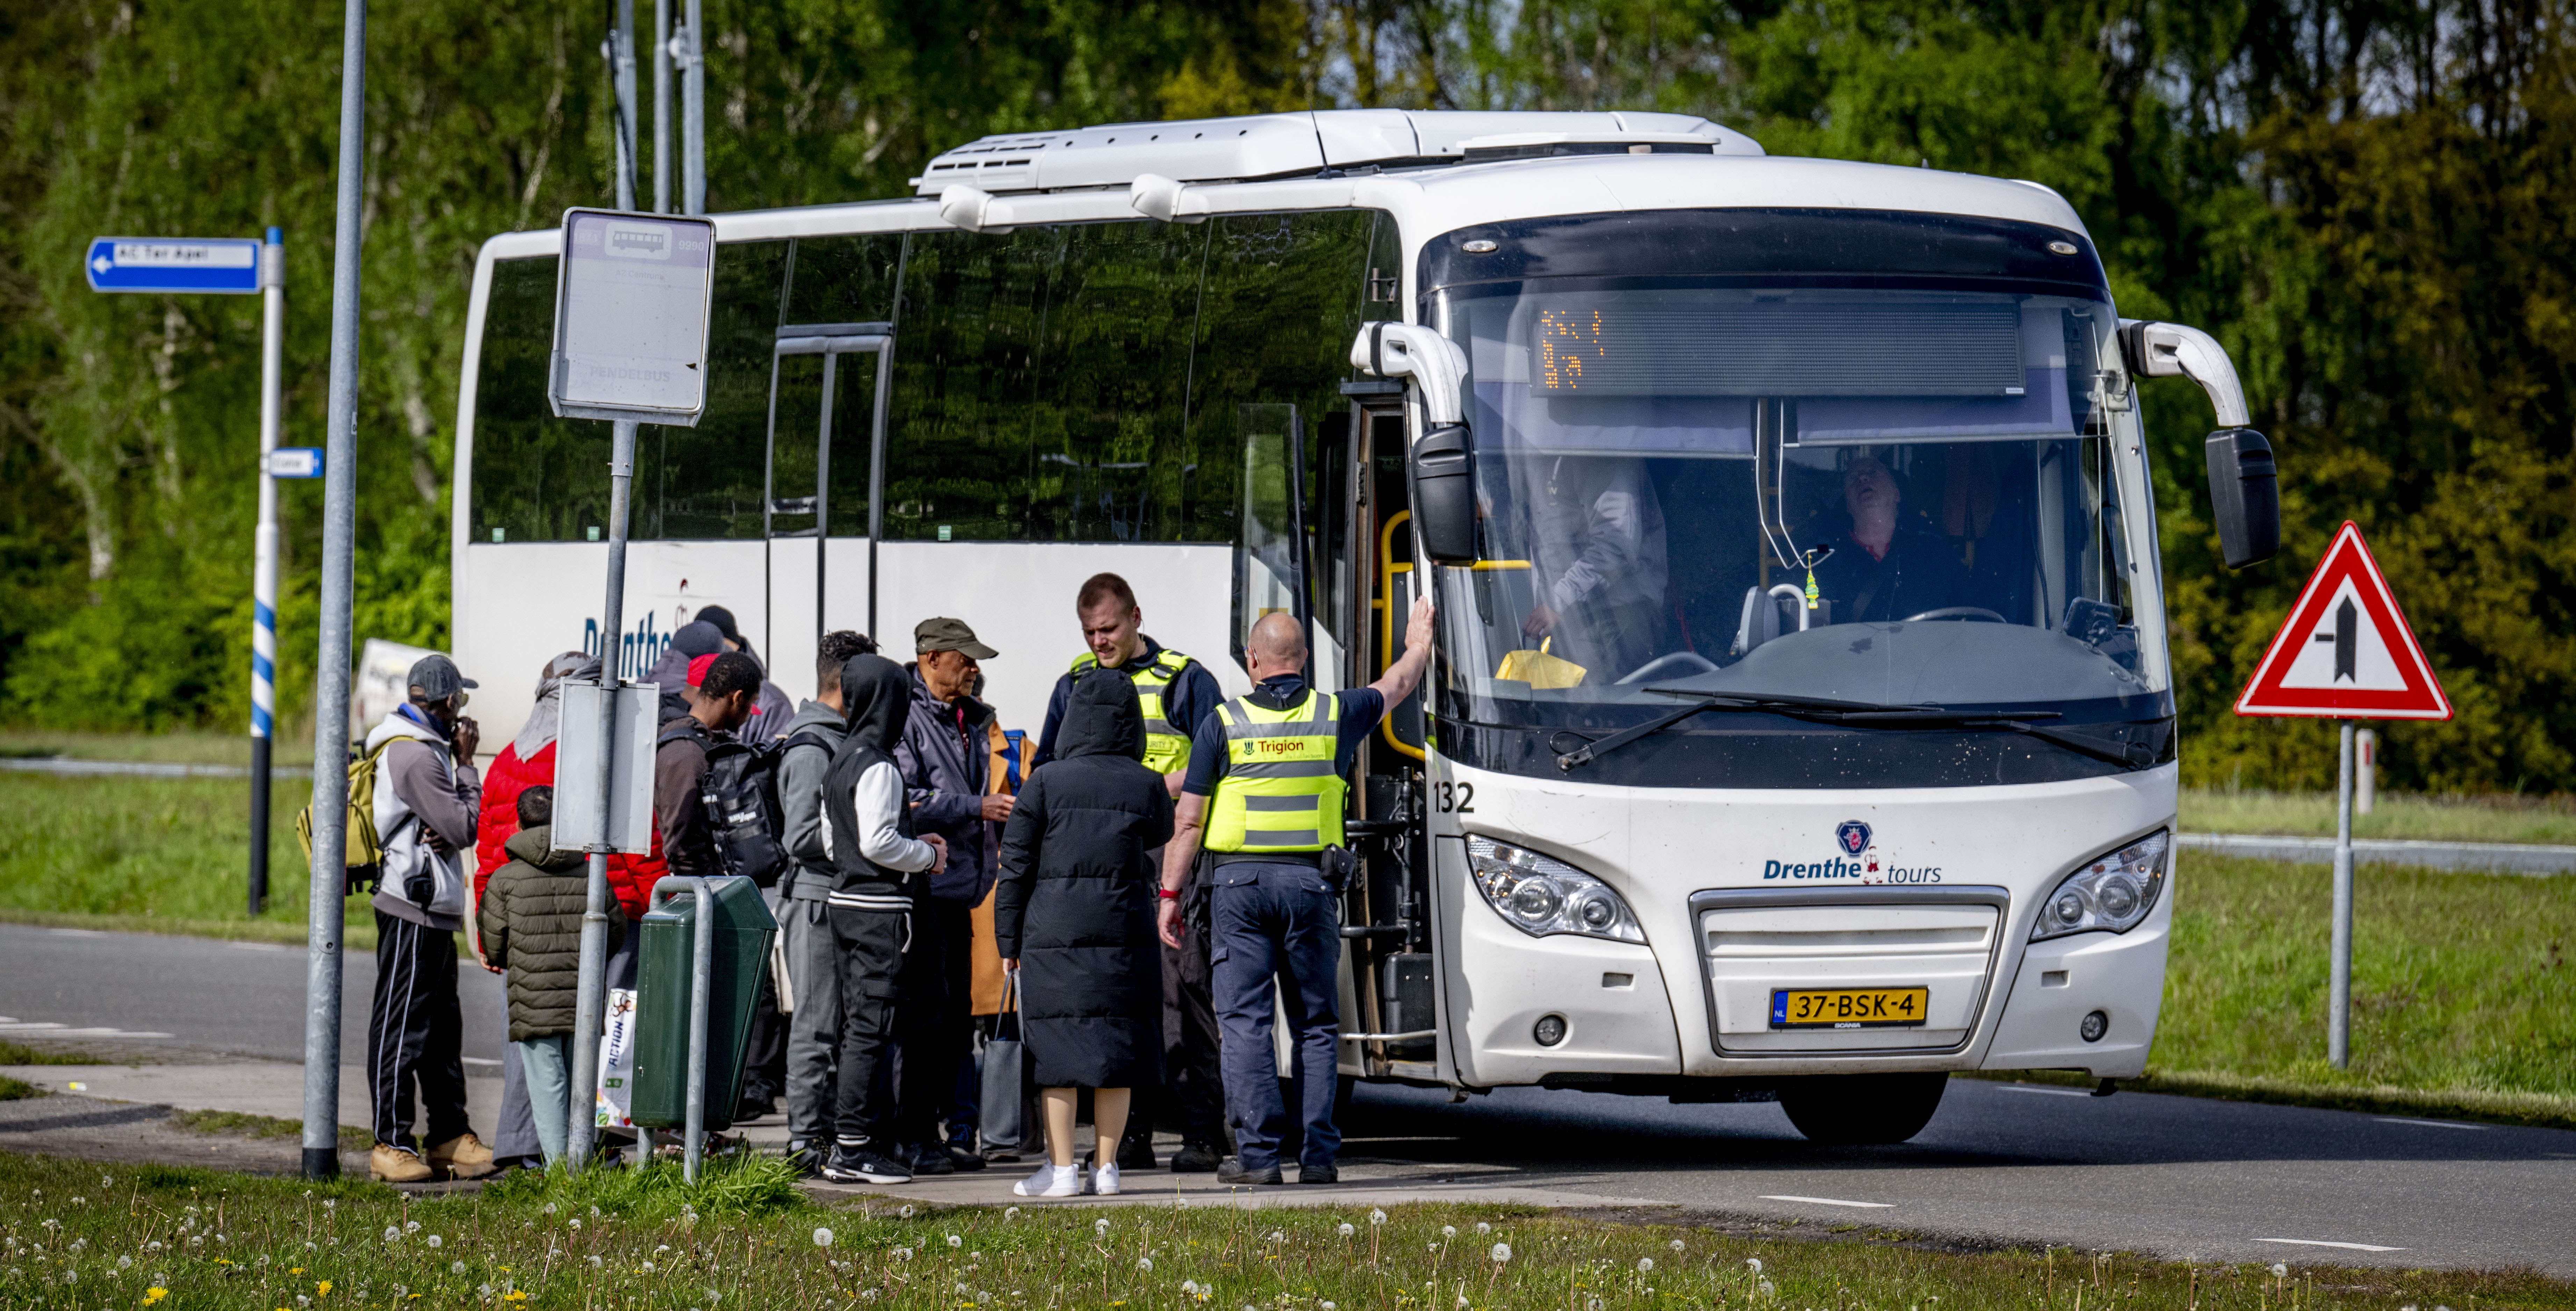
(1856, 714)
(1823, 709)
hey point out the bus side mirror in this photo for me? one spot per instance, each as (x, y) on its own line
(1443, 475)
(2245, 496)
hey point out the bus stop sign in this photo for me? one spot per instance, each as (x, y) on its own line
(632, 293)
(2346, 652)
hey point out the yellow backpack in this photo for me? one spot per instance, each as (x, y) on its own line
(364, 858)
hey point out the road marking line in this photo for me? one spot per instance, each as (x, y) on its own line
(256, 946)
(2430, 1124)
(78, 933)
(2323, 1242)
(26, 1026)
(1824, 1201)
(2053, 1092)
(47, 1029)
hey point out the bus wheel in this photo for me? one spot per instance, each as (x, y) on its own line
(1849, 1110)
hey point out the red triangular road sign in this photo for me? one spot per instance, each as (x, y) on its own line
(2346, 652)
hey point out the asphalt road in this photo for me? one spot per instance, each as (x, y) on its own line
(2178, 1177)
(242, 998)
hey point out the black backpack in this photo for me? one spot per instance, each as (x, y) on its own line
(740, 795)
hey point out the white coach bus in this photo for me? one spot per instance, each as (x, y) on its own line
(1800, 723)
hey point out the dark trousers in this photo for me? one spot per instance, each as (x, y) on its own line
(1193, 1086)
(764, 1057)
(1276, 921)
(872, 956)
(932, 1016)
(415, 1033)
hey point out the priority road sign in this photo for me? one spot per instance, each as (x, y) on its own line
(2346, 652)
(222, 265)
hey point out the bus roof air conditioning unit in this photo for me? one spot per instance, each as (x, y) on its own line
(1261, 146)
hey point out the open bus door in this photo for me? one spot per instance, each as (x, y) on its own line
(1388, 1020)
(827, 416)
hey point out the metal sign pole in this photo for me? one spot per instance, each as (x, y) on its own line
(593, 1000)
(331, 691)
(263, 585)
(702, 958)
(693, 130)
(661, 106)
(2339, 1005)
(621, 87)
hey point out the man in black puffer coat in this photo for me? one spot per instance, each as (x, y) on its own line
(531, 921)
(1075, 914)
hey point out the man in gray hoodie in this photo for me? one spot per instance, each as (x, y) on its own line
(427, 797)
(800, 903)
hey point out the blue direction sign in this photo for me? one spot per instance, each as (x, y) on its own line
(174, 264)
(295, 462)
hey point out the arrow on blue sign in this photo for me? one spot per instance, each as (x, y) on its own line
(222, 265)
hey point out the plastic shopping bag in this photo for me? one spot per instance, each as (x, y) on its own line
(1539, 669)
(617, 1062)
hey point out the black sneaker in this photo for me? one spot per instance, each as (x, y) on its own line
(933, 1159)
(1136, 1152)
(1232, 1172)
(1194, 1158)
(862, 1165)
(1319, 1174)
(806, 1159)
(964, 1156)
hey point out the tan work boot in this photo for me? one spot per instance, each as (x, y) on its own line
(394, 1165)
(462, 1157)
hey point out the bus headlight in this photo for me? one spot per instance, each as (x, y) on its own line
(1540, 895)
(2113, 891)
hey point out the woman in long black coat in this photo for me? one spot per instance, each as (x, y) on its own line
(1074, 916)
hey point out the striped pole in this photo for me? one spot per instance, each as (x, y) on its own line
(263, 624)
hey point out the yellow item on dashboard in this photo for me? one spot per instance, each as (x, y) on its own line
(1539, 669)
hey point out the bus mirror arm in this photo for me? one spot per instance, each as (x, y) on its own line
(2244, 480)
(1442, 470)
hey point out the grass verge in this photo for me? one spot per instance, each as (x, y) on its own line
(200, 747)
(245, 1125)
(152, 855)
(87, 1235)
(12, 1090)
(2458, 991)
(19, 1053)
(2396, 815)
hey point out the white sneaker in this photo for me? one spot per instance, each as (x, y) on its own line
(1104, 1180)
(1051, 1181)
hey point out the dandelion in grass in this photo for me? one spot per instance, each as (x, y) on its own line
(1448, 1231)
(905, 1212)
(1347, 1231)
(1377, 1217)
(1676, 1245)
(822, 1238)
(1010, 1213)
(1754, 1264)
(411, 1226)
(1767, 1291)
(458, 1267)
(435, 1242)
(648, 1267)
(153, 1295)
(594, 1262)
(1502, 1253)
(1100, 1227)
(955, 1241)
(1145, 1265)
(1278, 1235)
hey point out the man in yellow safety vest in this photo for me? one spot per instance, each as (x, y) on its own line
(1175, 692)
(1264, 796)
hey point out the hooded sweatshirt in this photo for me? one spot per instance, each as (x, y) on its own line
(531, 921)
(876, 861)
(419, 783)
(801, 772)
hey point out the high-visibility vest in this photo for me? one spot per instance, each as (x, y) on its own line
(1167, 748)
(1281, 791)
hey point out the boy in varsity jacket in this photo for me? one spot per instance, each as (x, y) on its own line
(879, 869)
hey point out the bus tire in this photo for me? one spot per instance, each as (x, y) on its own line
(1854, 1110)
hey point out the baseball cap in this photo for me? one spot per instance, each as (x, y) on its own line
(435, 678)
(948, 635)
(698, 668)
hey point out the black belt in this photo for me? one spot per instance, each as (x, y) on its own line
(1309, 859)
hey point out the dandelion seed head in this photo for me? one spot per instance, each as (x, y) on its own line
(1754, 1264)
(436, 1242)
(1645, 1265)
(458, 1267)
(955, 1241)
(1377, 1217)
(822, 1238)
(1347, 1230)
(1502, 1252)
(1676, 1244)
(1145, 1265)
(2280, 1270)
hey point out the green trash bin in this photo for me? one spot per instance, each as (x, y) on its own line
(666, 950)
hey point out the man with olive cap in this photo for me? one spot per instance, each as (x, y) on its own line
(426, 799)
(946, 760)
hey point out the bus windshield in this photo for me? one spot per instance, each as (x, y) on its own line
(1881, 496)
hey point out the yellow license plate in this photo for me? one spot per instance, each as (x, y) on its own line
(1848, 1008)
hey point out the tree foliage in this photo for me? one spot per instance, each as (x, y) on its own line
(2361, 198)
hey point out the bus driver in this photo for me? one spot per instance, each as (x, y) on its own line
(1886, 564)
